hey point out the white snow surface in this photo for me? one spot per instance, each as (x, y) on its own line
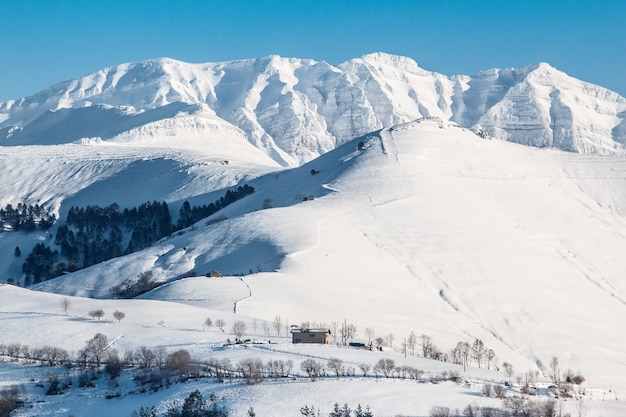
(294, 110)
(428, 229)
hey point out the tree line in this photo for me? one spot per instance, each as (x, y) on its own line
(93, 234)
(26, 217)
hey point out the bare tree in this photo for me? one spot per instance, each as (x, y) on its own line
(508, 368)
(365, 368)
(285, 367)
(499, 391)
(490, 355)
(350, 332)
(65, 304)
(478, 351)
(465, 351)
(145, 357)
(251, 370)
(96, 314)
(389, 339)
(94, 349)
(380, 342)
(113, 365)
(412, 342)
(239, 328)
(334, 326)
(13, 351)
(554, 367)
(220, 323)
(52, 355)
(179, 362)
(312, 368)
(404, 347)
(369, 332)
(336, 365)
(385, 367)
(278, 325)
(118, 315)
(160, 356)
(266, 328)
(427, 346)
(440, 411)
(255, 324)
(208, 322)
(129, 357)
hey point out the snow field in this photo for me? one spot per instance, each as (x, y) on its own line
(430, 229)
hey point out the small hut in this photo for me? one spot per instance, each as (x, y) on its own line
(300, 335)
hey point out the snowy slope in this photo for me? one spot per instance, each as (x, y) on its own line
(28, 317)
(429, 229)
(294, 110)
(61, 176)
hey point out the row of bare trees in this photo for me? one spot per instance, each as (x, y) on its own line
(511, 407)
(97, 314)
(240, 327)
(384, 367)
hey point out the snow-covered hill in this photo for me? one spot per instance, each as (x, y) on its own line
(420, 226)
(428, 229)
(294, 110)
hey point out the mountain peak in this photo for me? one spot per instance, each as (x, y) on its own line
(389, 59)
(296, 109)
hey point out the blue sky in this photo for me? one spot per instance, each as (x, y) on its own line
(48, 41)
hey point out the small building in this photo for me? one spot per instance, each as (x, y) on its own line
(214, 274)
(321, 336)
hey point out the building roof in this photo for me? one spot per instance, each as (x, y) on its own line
(301, 330)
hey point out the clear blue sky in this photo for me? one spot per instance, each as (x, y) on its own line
(43, 42)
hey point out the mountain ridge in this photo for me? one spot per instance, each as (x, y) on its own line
(294, 110)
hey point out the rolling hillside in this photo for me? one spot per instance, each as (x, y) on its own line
(429, 229)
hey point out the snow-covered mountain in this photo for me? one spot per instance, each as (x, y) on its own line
(428, 228)
(422, 226)
(294, 110)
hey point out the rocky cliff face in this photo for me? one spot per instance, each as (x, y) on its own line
(296, 109)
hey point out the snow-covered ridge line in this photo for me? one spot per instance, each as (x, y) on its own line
(294, 110)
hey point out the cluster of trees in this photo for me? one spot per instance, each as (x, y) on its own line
(130, 288)
(384, 367)
(94, 234)
(464, 353)
(11, 398)
(26, 217)
(338, 411)
(193, 406)
(41, 265)
(98, 352)
(188, 215)
(511, 407)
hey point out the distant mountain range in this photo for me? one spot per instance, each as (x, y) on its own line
(294, 110)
